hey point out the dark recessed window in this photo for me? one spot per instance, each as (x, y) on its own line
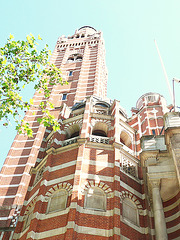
(79, 58)
(70, 73)
(153, 132)
(75, 57)
(64, 96)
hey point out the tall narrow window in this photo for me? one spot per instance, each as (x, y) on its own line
(70, 73)
(64, 96)
(58, 201)
(130, 211)
(153, 132)
(95, 199)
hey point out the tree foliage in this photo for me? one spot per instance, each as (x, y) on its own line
(22, 64)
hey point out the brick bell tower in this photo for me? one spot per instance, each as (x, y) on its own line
(86, 181)
(81, 58)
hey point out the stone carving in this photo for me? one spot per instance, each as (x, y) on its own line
(128, 167)
(39, 175)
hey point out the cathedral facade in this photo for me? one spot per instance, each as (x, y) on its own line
(102, 175)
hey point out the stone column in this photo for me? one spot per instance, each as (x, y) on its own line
(159, 219)
(175, 145)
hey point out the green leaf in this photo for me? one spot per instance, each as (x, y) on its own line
(28, 38)
(12, 66)
(21, 64)
(31, 101)
(39, 37)
(4, 62)
(11, 36)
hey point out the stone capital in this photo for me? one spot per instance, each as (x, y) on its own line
(155, 183)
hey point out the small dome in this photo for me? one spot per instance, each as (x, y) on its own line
(88, 30)
(150, 97)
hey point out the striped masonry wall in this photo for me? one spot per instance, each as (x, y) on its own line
(97, 147)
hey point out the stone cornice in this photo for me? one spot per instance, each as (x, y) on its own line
(81, 141)
(148, 154)
(100, 146)
(160, 175)
(34, 170)
(102, 116)
(72, 119)
(118, 145)
(66, 148)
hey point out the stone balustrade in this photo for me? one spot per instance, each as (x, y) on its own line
(129, 165)
(101, 111)
(70, 141)
(99, 139)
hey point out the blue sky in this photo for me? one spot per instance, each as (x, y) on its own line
(129, 29)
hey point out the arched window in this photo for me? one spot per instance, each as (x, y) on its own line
(102, 105)
(99, 133)
(79, 58)
(101, 108)
(100, 129)
(73, 131)
(75, 134)
(78, 108)
(75, 58)
(125, 139)
(70, 59)
(28, 218)
(95, 199)
(58, 201)
(130, 211)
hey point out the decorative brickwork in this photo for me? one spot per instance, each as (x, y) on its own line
(92, 179)
(126, 194)
(66, 186)
(102, 185)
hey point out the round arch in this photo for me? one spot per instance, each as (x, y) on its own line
(125, 139)
(72, 131)
(100, 129)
